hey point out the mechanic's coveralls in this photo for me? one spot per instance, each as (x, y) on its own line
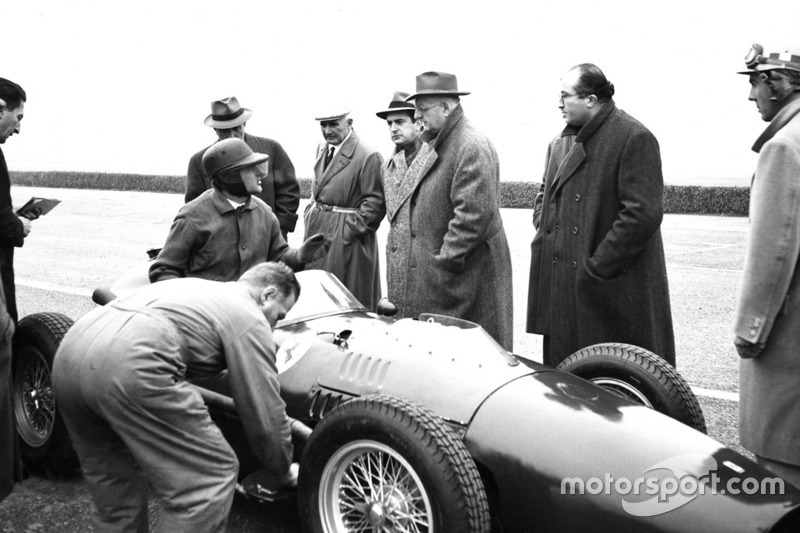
(119, 380)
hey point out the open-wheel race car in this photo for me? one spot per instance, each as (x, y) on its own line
(428, 425)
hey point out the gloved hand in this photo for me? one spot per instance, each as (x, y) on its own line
(747, 349)
(314, 247)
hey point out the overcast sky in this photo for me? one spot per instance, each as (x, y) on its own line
(125, 86)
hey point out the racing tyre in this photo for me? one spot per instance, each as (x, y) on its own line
(379, 463)
(45, 445)
(640, 376)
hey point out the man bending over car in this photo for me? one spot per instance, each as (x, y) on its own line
(120, 380)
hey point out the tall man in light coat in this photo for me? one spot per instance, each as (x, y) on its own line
(347, 206)
(598, 272)
(459, 260)
(768, 314)
(410, 160)
(279, 188)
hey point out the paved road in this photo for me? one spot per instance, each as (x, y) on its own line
(93, 236)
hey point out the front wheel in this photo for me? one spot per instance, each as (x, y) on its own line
(640, 376)
(378, 463)
(44, 442)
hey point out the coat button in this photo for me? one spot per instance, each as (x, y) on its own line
(574, 231)
(558, 227)
(577, 197)
(555, 259)
(394, 248)
(394, 224)
(244, 246)
(558, 197)
(574, 264)
(547, 232)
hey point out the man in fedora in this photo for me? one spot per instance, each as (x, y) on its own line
(768, 312)
(598, 272)
(411, 157)
(347, 206)
(459, 263)
(280, 189)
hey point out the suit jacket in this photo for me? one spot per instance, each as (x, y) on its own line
(459, 260)
(279, 190)
(768, 310)
(352, 181)
(598, 272)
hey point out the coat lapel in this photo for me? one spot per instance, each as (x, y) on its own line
(342, 158)
(402, 180)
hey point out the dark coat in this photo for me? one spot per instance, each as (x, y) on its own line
(459, 260)
(768, 311)
(11, 235)
(348, 207)
(598, 272)
(279, 189)
(399, 181)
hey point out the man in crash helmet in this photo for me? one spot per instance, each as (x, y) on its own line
(227, 229)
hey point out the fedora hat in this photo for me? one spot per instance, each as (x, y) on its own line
(436, 84)
(227, 113)
(397, 105)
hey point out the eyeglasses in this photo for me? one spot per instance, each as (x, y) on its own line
(424, 109)
(563, 96)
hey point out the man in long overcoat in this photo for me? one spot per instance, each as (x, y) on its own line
(13, 230)
(768, 312)
(410, 160)
(279, 188)
(598, 272)
(347, 206)
(459, 260)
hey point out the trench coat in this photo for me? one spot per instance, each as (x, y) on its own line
(348, 206)
(279, 189)
(459, 260)
(399, 181)
(768, 310)
(598, 272)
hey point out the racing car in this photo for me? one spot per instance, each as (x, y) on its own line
(426, 424)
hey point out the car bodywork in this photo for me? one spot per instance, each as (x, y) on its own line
(531, 430)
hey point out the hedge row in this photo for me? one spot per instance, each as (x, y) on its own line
(514, 194)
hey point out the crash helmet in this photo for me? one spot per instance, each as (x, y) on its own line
(225, 157)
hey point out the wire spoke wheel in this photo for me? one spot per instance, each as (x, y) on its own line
(624, 389)
(368, 487)
(35, 407)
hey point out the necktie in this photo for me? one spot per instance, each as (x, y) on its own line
(328, 157)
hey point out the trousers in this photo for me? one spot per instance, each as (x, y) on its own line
(134, 421)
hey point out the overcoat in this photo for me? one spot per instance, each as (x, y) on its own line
(348, 206)
(768, 310)
(399, 181)
(11, 235)
(459, 260)
(279, 189)
(598, 272)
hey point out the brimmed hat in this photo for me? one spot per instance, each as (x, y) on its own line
(436, 84)
(334, 113)
(397, 105)
(756, 62)
(227, 113)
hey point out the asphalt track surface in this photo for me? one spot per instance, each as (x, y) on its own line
(93, 236)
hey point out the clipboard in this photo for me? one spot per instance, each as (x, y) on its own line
(37, 206)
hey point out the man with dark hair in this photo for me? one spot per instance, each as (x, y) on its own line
(120, 380)
(598, 272)
(13, 230)
(228, 229)
(347, 206)
(768, 315)
(400, 173)
(459, 260)
(279, 188)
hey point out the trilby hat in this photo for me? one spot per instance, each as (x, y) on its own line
(397, 105)
(227, 113)
(756, 61)
(436, 84)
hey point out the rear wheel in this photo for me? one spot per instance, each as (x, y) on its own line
(378, 463)
(45, 445)
(640, 376)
